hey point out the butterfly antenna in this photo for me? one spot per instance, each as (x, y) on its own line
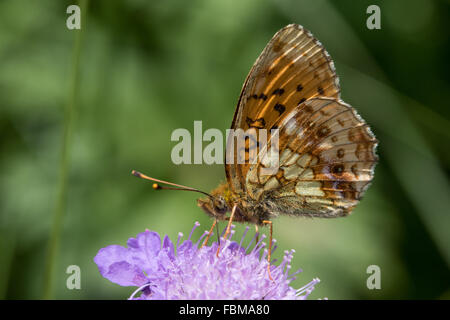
(157, 186)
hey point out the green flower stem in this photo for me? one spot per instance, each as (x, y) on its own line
(61, 199)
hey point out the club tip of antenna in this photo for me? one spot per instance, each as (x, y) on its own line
(136, 173)
(156, 186)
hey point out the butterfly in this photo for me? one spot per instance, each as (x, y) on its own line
(326, 151)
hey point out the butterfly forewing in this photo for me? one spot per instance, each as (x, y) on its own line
(292, 68)
(326, 161)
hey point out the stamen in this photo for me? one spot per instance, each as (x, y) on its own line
(292, 276)
(308, 287)
(251, 242)
(196, 225)
(257, 246)
(225, 229)
(281, 266)
(201, 238)
(180, 235)
(286, 272)
(243, 236)
(264, 254)
(274, 246)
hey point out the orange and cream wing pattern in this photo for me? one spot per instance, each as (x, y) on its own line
(326, 161)
(292, 68)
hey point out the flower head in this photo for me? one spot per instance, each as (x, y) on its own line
(188, 271)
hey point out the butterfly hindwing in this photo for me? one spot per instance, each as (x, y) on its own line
(326, 161)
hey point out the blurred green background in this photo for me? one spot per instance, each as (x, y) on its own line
(149, 67)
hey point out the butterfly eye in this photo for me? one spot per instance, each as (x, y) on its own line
(220, 206)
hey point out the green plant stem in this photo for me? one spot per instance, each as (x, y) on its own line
(61, 200)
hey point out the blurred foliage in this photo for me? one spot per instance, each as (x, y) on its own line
(149, 67)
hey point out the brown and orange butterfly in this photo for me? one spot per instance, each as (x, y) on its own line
(325, 149)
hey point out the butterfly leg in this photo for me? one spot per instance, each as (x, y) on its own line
(257, 233)
(209, 234)
(230, 220)
(269, 256)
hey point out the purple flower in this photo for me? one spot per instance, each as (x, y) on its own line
(187, 271)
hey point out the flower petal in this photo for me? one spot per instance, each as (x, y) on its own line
(168, 246)
(109, 255)
(125, 274)
(113, 265)
(144, 249)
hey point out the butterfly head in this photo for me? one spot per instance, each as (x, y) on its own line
(215, 206)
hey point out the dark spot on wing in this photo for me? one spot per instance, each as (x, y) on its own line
(308, 108)
(280, 108)
(323, 131)
(259, 123)
(337, 169)
(320, 91)
(279, 91)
